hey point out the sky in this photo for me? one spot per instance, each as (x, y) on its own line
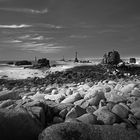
(57, 28)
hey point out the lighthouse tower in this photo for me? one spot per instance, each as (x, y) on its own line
(76, 59)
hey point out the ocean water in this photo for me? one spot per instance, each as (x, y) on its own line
(4, 66)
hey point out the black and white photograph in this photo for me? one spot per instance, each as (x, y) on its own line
(69, 69)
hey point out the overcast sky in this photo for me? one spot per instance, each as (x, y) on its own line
(53, 28)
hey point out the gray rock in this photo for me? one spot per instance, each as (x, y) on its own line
(117, 99)
(6, 103)
(85, 104)
(120, 110)
(80, 131)
(72, 98)
(57, 120)
(135, 92)
(104, 115)
(39, 114)
(18, 124)
(135, 104)
(137, 114)
(10, 94)
(91, 109)
(79, 102)
(38, 97)
(63, 113)
(95, 100)
(88, 118)
(66, 131)
(75, 112)
(110, 105)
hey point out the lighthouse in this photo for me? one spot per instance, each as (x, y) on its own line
(76, 59)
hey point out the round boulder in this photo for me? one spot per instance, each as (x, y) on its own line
(121, 111)
(81, 131)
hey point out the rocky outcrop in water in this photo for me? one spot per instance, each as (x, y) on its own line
(112, 58)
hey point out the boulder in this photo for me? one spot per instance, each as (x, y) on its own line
(63, 113)
(33, 89)
(18, 124)
(54, 97)
(91, 109)
(79, 102)
(54, 91)
(120, 111)
(6, 103)
(96, 100)
(135, 92)
(105, 116)
(38, 97)
(85, 104)
(66, 131)
(132, 119)
(81, 131)
(88, 118)
(69, 92)
(110, 105)
(137, 114)
(127, 89)
(39, 114)
(75, 112)
(9, 94)
(72, 98)
(117, 98)
(27, 94)
(96, 91)
(57, 120)
(48, 90)
(135, 104)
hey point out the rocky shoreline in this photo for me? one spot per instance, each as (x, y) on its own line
(86, 102)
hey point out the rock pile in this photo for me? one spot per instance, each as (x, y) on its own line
(32, 109)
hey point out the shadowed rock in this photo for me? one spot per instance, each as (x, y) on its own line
(80, 131)
(10, 94)
(18, 124)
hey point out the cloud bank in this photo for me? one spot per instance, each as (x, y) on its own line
(15, 26)
(25, 10)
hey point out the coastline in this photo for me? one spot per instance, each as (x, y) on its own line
(70, 95)
(23, 72)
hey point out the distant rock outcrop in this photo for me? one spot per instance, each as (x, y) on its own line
(132, 60)
(23, 62)
(112, 58)
(44, 62)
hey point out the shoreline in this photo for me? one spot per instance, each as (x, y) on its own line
(13, 72)
(83, 95)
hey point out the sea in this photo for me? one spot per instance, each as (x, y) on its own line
(4, 66)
